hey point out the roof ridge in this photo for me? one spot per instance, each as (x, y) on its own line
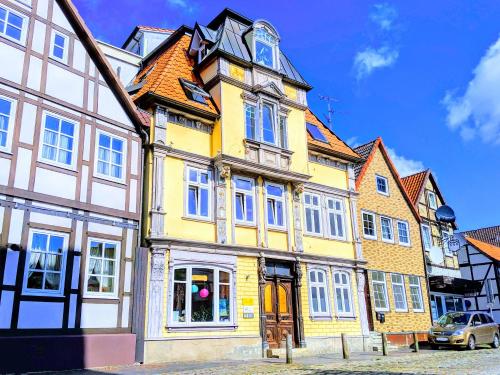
(483, 228)
(414, 174)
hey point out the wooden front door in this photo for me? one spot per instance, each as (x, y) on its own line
(279, 312)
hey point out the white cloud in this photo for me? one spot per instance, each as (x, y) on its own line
(477, 112)
(186, 5)
(384, 15)
(371, 59)
(353, 142)
(405, 166)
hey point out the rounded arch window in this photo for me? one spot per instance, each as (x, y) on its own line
(266, 46)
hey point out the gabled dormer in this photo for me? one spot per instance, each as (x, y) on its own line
(262, 39)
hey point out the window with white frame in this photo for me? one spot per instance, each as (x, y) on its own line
(416, 294)
(369, 225)
(201, 295)
(58, 140)
(386, 229)
(59, 47)
(244, 200)
(312, 208)
(398, 290)
(282, 133)
(265, 47)
(13, 25)
(7, 117)
(102, 269)
(336, 218)
(110, 156)
(379, 291)
(426, 236)
(382, 185)
(343, 298)
(403, 233)
(318, 292)
(45, 263)
(198, 193)
(445, 237)
(268, 123)
(250, 122)
(431, 197)
(275, 206)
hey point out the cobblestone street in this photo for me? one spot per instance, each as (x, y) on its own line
(449, 362)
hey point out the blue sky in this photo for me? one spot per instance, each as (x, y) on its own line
(423, 75)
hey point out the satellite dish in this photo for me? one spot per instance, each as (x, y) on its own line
(445, 214)
(436, 255)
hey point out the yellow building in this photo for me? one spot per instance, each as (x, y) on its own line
(249, 202)
(390, 230)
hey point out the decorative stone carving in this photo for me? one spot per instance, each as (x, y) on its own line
(157, 205)
(363, 313)
(224, 172)
(262, 269)
(297, 191)
(298, 299)
(155, 306)
(160, 121)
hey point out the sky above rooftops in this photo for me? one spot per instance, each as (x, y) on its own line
(424, 75)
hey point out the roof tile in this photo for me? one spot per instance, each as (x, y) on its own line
(413, 184)
(491, 250)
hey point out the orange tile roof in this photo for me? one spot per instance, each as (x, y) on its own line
(491, 250)
(413, 184)
(335, 144)
(163, 74)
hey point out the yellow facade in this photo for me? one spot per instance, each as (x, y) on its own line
(391, 257)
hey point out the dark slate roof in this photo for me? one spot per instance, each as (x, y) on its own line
(228, 37)
(364, 151)
(489, 235)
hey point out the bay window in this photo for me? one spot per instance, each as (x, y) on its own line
(201, 295)
(336, 218)
(379, 287)
(416, 294)
(243, 201)
(198, 192)
(398, 290)
(318, 293)
(275, 206)
(312, 210)
(45, 263)
(343, 299)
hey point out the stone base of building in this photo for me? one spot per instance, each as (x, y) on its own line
(202, 349)
(65, 352)
(333, 344)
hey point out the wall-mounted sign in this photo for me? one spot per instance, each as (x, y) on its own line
(248, 312)
(453, 244)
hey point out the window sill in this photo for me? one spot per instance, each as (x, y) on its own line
(42, 294)
(402, 311)
(321, 318)
(103, 296)
(419, 311)
(57, 60)
(243, 225)
(6, 151)
(388, 241)
(370, 238)
(201, 328)
(384, 194)
(382, 310)
(314, 235)
(110, 179)
(269, 146)
(404, 244)
(198, 219)
(69, 168)
(276, 229)
(347, 317)
(13, 40)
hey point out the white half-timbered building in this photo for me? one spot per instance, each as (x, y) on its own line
(70, 183)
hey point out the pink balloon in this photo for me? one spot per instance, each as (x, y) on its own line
(204, 293)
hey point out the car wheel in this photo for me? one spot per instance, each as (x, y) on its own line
(471, 343)
(434, 347)
(496, 342)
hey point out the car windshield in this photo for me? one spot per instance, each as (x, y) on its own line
(456, 318)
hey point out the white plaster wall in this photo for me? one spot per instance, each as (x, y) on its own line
(59, 18)
(34, 73)
(102, 228)
(23, 168)
(42, 8)
(108, 196)
(28, 123)
(133, 196)
(40, 314)
(64, 85)
(4, 171)
(99, 315)
(79, 56)
(6, 303)
(12, 71)
(9, 276)
(73, 299)
(38, 43)
(125, 311)
(16, 226)
(110, 107)
(84, 182)
(45, 183)
(37, 217)
(134, 158)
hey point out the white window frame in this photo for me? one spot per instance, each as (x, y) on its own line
(420, 296)
(313, 207)
(74, 151)
(64, 59)
(246, 107)
(386, 185)
(407, 226)
(281, 199)
(386, 296)
(10, 125)
(282, 137)
(274, 47)
(336, 212)
(24, 27)
(46, 292)
(423, 236)
(124, 168)
(316, 284)
(402, 284)
(445, 237)
(382, 229)
(245, 193)
(103, 295)
(429, 194)
(274, 125)
(199, 185)
(373, 216)
(188, 303)
(342, 287)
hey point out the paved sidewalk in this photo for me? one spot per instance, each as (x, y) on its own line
(442, 362)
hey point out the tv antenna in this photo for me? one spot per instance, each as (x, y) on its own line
(329, 100)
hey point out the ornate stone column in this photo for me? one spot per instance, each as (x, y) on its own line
(298, 189)
(262, 313)
(156, 285)
(298, 298)
(363, 311)
(157, 204)
(223, 174)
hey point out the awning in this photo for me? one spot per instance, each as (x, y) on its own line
(454, 285)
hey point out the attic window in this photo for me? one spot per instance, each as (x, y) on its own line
(265, 47)
(316, 133)
(193, 92)
(148, 72)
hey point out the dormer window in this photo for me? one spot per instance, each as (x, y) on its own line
(193, 92)
(202, 52)
(266, 46)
